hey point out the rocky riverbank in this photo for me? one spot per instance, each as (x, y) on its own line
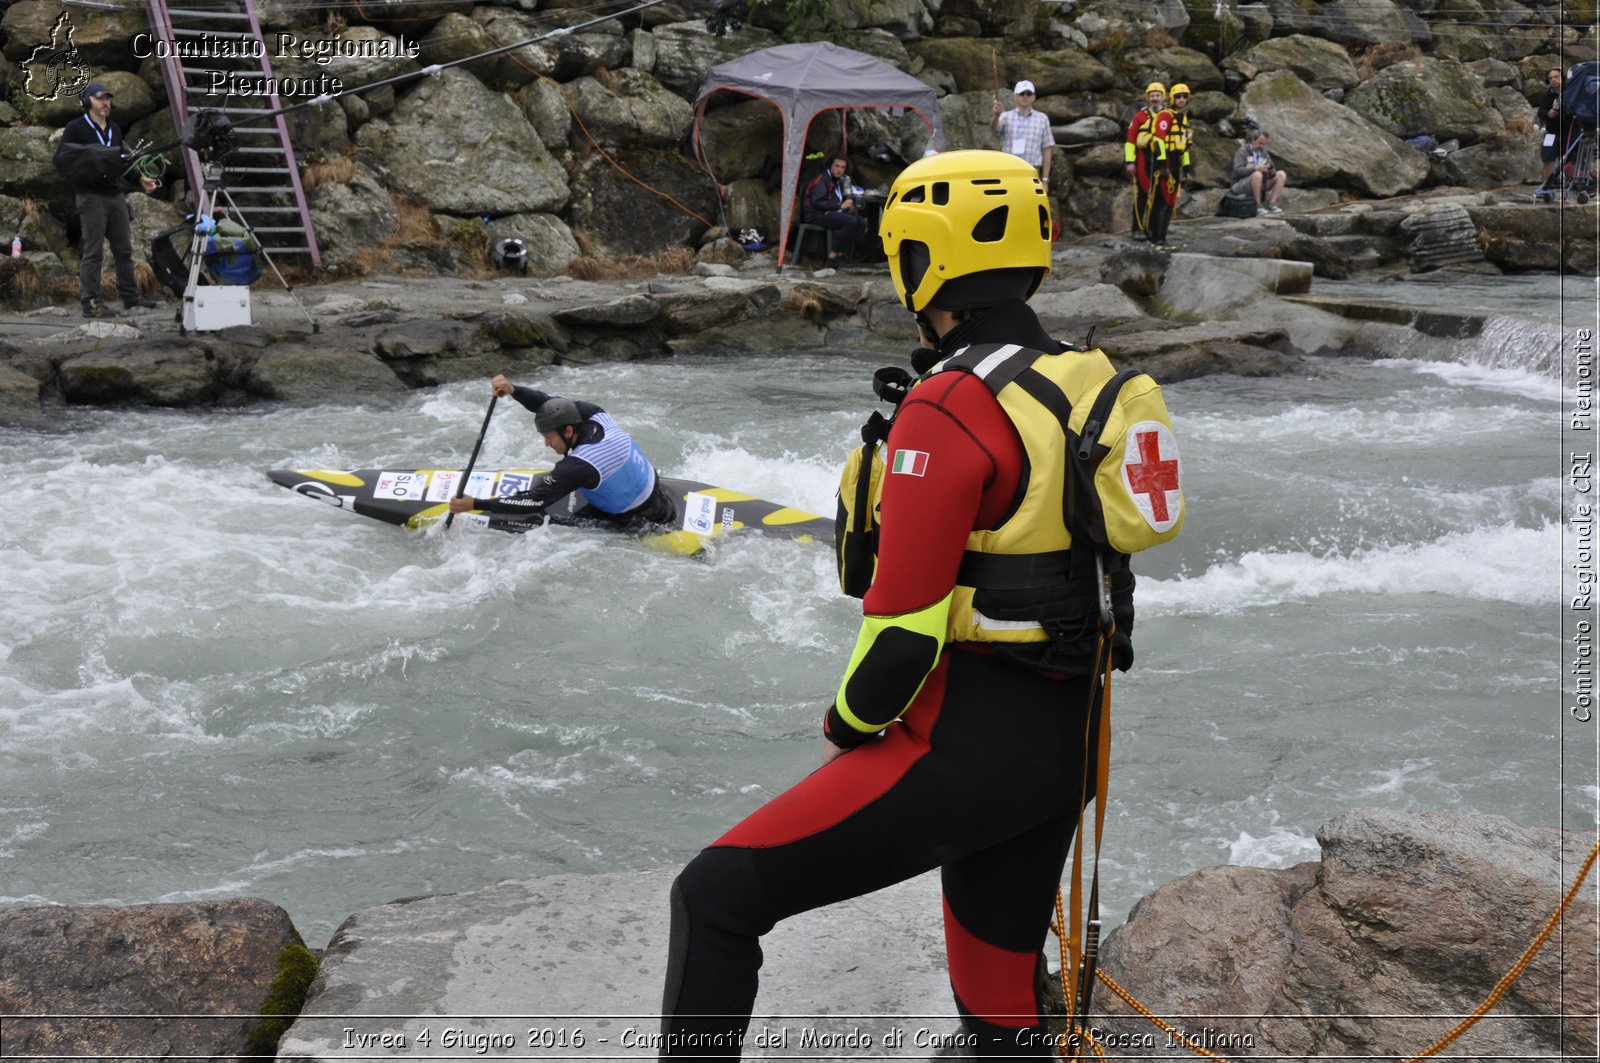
(1405, 923)
(1227, 304)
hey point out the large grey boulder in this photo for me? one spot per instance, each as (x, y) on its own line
(589, 952)
(142, 981)
(1439, 98)
(630, 109)
(457, 36)
(1174, 65)
(685, 52)
(1359, 23)
(25, 154)
(351, 216)
(620, 218)
(905, 19)
(1534, 237)
(1405, 924)
(972, 61)
(1319, 63)
(743, 139)
(459, 148)
(358, 56)
(154, 372)
(550, 242)
(1493, 164)
(562, 57)
(1303, 123)
(101, 39)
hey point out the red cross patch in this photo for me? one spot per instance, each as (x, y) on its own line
(1150, 471)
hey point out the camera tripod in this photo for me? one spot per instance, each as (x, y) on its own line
(211, 197)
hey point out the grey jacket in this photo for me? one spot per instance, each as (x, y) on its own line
(1245, 159)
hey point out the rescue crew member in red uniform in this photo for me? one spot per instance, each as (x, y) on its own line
(949, 743)
(1139, 156)
(1169, 150)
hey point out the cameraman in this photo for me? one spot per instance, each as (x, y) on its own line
(1254, 174)
(103, 213)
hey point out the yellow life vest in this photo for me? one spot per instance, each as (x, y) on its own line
(1100, 462)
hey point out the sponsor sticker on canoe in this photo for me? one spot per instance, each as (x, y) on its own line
(512, 482)
(401, 486)
(481, 485)
(442, 485)
(699, 513)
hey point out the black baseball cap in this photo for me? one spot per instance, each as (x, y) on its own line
(94, 89)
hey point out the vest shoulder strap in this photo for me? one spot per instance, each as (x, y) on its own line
(996, 364)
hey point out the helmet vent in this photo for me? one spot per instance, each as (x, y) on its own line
(918, 194)
(1044, 222)
(991, 227)
(941, 193)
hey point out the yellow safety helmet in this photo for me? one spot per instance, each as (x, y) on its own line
(1181, 90)
(1155, 86)
(964, 229)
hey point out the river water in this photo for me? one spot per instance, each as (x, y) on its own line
(211, 687)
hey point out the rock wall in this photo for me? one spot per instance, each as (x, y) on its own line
(581, 143)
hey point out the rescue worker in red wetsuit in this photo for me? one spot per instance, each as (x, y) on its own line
(1139, 156)
(1169, 158)
(1181, 138)
(956, 739)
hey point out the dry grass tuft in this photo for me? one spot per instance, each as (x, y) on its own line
(804, 303)
(330, 172)
(1158, 37)
(585, 268)
(676, 260)
(1383, 55)
(20, 281)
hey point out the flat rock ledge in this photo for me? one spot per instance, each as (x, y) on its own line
(574, 965)
(1401, 928)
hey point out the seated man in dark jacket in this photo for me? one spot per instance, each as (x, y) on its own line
(829, 204)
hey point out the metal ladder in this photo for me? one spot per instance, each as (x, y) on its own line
(260, 174)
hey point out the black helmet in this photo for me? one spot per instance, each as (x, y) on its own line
(556, 412)
(511, 253)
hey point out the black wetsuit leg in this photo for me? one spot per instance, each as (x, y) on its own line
(983, 776)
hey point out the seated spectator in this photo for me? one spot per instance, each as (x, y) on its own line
(1255, 175)
(828, 203)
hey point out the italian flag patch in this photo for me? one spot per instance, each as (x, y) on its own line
(910, 462)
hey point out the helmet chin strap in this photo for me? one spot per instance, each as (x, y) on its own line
(925, 358)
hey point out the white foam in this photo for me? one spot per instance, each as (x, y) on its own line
(1503, 563)
(1278, 847)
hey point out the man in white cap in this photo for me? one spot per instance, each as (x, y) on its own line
(1025, 132)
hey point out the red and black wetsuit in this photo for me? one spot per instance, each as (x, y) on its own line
(1165, 168)
(980, 775)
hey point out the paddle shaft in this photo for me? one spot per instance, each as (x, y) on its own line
(461, 488)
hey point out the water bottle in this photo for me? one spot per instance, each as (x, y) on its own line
(16, 246)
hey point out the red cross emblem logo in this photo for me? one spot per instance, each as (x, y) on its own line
(1150, 470)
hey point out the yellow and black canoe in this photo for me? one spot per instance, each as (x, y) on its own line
(418, 498)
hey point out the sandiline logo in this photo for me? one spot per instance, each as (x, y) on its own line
(56, 68)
